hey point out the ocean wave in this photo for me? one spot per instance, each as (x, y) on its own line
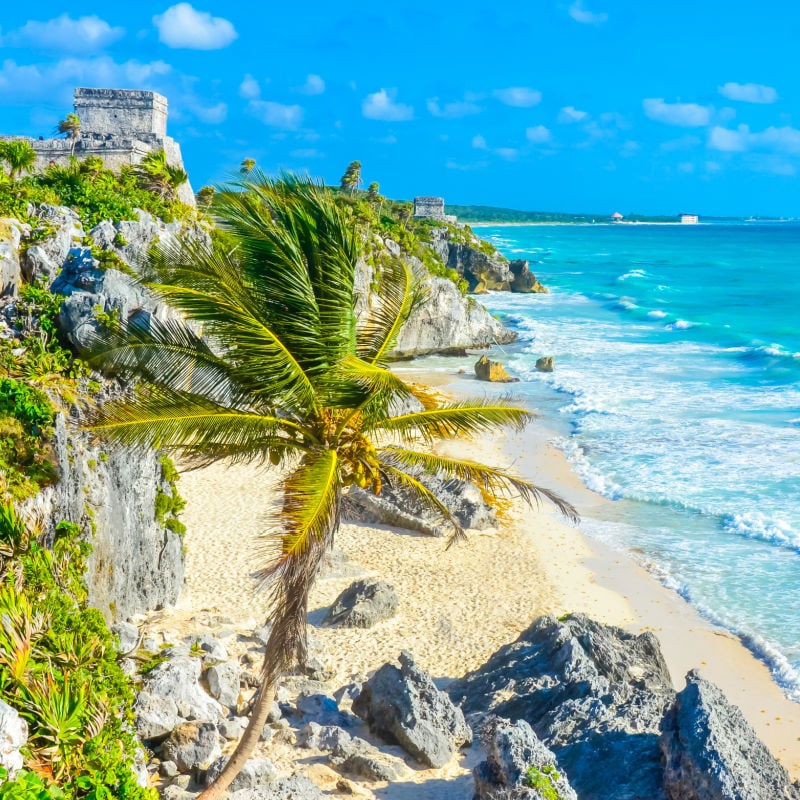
(679, 325)
(756, 525)
(656, 314)
(634, 273)
(592, 478)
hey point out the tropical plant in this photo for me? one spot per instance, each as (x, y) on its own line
(155, 175)
(295, 380)
(70, 126)
(19, 155)
(247, 165)
(351, 179)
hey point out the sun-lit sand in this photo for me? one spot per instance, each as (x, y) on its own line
(458, 606)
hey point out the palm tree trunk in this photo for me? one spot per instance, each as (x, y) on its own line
(292, 578)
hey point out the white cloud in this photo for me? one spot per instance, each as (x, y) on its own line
(581, 14)
(570, 114)
(22, 83)
(728, 141)
(313, 85)
(213, 115)
(381, 105)
(479, 143)
(519, 96)
(85, 34)
(455, 110)
(538, 134)
(249, 87)
(686, 115)
(778, 140)
(508, 153)
(182, 26)
(748, 92)
(277, 115)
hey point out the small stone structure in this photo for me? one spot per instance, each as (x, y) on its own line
(431, 208)
(121, 126)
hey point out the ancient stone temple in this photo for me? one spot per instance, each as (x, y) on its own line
(431, 208)
(120, 126)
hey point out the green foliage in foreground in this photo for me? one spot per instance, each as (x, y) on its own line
(58, 668)
(544, 781)
(96, 193)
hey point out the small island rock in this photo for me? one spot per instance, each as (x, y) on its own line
(492, 371)
(545, 364)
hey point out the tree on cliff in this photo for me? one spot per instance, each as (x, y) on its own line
(351, 179)
(19, 155)
(248, 165)
(294, 380)
(71, 127)
(155, 175)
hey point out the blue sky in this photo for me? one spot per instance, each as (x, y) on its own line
(569, 105)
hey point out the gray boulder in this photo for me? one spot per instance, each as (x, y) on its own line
(403, 706)
(545, 364)
(594, 694)
(298, 787)
(362, 605)
(255, 774)
(518, 766)
(322, 737)
(13, 736)
(359, 758)
(127, 636)
(155, 717)
(11, 231)
(192, 745)
(711, 752)
(43, 260)
(177, 678)
(223, 682)
(524, 280)
(397, 506)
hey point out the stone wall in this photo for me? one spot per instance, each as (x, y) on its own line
(122, 112)
(429, 207)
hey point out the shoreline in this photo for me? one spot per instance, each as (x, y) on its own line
(688, 640)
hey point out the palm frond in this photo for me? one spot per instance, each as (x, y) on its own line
(402, 290)
(456, 419)
(393, 474)
(184, 421)
(493, 481)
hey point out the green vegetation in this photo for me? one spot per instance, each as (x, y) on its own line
(544, 781)
(58, 668)
(70, 126)
(19, 155)
(296, 383)
(351, 179)
(169, 504)
(96, 193)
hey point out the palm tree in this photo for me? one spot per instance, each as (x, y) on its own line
(71, 127)
(248, 164)
(293, 380)
(351, 179)
(155, 175)
(19, 155)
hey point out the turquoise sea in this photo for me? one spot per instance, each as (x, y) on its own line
(677, 394)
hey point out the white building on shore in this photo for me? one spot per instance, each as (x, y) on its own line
(688, 219)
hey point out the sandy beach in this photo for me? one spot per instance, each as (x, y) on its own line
(458, 606)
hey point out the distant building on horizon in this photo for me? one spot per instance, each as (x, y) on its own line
(617, 217)
(688, 219)
(432, 208)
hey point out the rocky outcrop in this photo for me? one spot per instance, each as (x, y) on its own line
(398, 506)
(523, 280)
(492, 371)
(136, 563)
(545, 364)
(594, 694)
(517, 765)
(403, 706)
(13, 736)
(57, 230)
(11, 232)
(362, 605)
(712, 753)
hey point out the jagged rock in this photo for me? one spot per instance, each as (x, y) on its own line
(11, 232)
(711, 752)
(359, 758)
(322, 707)
(321, 737)
(232, 729)
(261, 635)
(403, 706)
(393, 247)
(127, 636)
(593, 693)
(399, 507)
(223, 682)
(297, 787)
(174, 792)
(177, 678)
(482, 270)
(524, 280)
(447, 322)
(136, 564)
(42, 261)
(493, 371)
(545, 364)
(167, 769)
(255, 774)
(511, 750)
(155, 716)
(211, 648)
(362, 605)
(13, 736)
(192, 744)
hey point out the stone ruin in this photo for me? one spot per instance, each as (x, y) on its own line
(121, 126)
(431, 208)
